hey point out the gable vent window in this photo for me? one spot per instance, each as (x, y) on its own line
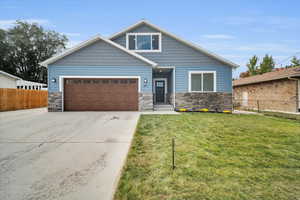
(202, 81)
(144, 42)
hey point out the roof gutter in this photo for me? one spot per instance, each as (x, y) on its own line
(295, 79)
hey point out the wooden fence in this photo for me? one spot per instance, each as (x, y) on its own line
(16, 99)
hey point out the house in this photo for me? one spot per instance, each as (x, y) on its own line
(8, 80)
(138, 68)
(273, 91)
(30, 85)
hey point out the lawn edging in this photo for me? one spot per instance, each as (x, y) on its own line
(117, 180)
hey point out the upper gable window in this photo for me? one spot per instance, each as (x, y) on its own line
(144, 42)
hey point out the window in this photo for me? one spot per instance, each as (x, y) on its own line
(144, 42)
(202, 81)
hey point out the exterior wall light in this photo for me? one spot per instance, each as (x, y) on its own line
(53, 80)
(145, 82)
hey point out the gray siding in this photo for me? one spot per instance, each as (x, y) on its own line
(100, 54)
(145, 72)
(173, 53)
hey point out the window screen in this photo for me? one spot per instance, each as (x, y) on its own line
(131, 42)
(155, 42)
(196, 82)
(208, 82)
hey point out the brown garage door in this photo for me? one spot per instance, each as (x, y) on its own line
(86, 94)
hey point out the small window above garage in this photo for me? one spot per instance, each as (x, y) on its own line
(143, 42)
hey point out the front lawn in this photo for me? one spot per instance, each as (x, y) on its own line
(218, 156)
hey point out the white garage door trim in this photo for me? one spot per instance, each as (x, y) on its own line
(61, 83)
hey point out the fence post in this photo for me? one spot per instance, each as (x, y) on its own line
(258, 105)
(173, 153)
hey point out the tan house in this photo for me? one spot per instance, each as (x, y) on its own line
(273, 91)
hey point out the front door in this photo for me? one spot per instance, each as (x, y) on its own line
(160, 91)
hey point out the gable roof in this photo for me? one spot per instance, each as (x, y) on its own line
(280, 73)
(92, 41)
(9, 75)
(194, 46)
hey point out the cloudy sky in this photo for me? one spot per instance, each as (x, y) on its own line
(234, 29)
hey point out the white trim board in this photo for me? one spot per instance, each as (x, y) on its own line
(194, 46)
(201, 72)
(150, 50)
(9, 75)
(91, 41)
(61, 83)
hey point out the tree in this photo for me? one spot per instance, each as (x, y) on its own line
(294, 62)
(252, 66)
(267, 64)
(5, 48)
(28, 45)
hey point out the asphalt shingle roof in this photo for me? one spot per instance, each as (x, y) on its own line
(279, 73)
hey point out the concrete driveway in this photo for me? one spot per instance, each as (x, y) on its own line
(70, 155)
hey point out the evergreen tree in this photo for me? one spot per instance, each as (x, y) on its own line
(267, 64)
(294, 62)
(252, 66)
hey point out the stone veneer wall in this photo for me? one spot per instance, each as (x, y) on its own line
(170, 98)
(213, 101)
(277, 95)
(145, 101)
(54, 101)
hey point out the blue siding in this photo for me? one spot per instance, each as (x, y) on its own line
(223, 74)
(145, 72)
(100, 54)
(174, 53)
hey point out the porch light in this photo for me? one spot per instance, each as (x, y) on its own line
(145, 82)
(53, 80)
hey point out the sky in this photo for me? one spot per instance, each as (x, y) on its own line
(233, 29)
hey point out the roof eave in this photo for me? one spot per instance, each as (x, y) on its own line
(267, 80)
(196, 47)
(90, 41)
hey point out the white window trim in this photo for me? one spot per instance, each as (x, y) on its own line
(160, 79)
(159, 42)
(202, 72)
(61, 83)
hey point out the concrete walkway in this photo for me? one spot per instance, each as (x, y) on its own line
(68, 156)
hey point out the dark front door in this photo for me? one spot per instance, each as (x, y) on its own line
(160, 91)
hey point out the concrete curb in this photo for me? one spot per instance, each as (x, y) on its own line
(116, 182)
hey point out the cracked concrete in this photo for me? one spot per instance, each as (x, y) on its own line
(68, 156)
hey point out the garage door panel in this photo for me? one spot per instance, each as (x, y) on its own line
(101, 94)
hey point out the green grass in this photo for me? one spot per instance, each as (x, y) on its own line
(283, 115)
(218, 156)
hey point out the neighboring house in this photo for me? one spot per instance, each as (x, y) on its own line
(10, 81)
(273, 91)
(29, 85)
(7, 80)
(136, 69)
